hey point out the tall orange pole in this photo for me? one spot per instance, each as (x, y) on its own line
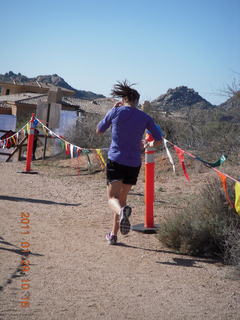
(148, 226)
(149, 184)
(30, 144)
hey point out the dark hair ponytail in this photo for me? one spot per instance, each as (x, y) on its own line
(124, 90)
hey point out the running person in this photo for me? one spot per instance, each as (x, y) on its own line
(124, 157)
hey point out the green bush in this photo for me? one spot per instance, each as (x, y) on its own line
(207, 226)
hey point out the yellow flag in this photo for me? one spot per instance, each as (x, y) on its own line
(28, 127)
(99, 152)
(237, 197)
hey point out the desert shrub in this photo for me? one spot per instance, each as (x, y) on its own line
(232, 245)
(21, 121)
(181, 132)
(207, 226)
(202, 130)
(84, 133)
(221, 136)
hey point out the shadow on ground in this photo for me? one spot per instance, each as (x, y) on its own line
(18, 199)
(18, 271)
(176, 261)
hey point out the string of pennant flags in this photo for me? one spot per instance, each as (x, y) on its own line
(11, 141)
(223, 176)
(74, 151)
(70, 148)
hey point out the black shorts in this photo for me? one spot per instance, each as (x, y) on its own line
(119, 172)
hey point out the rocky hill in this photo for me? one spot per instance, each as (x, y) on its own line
(178, 98)
(232, 104)
(230, 109)
(53, 79)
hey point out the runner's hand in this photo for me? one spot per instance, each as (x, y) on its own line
(118, 104)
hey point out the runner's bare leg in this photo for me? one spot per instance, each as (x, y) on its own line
(117, 198)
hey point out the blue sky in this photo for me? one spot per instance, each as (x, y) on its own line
(156, 44)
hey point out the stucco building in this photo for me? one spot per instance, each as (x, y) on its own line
(22, 99)
(16, 98)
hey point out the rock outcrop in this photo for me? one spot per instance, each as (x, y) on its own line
(178, 98)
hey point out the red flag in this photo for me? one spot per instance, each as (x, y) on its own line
(180, 154)
(67, 148)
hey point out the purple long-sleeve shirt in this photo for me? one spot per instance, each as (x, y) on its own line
(128, 126)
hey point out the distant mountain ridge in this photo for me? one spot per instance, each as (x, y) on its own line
(176, 99)
(52, 79)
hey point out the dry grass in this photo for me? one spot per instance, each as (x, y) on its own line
(206, 226)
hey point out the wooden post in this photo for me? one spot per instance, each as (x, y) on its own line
(47, 123)
(54, 97)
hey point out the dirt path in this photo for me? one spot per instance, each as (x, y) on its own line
(74, 274)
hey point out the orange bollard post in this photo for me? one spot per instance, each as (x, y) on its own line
(148, 226)
(149, 185)
(30, 147)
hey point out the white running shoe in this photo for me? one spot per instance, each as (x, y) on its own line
(111, 238)
(124, 220)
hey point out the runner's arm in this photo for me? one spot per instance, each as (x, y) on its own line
(106, 122)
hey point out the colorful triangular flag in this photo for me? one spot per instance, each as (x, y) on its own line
(180, 154)
(223, 179)
(237, 197)
(169, 155)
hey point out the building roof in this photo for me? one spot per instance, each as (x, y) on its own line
(97, 106)
(34, 100)
(36, 84)
(17, 97)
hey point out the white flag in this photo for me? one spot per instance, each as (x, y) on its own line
(169, 154)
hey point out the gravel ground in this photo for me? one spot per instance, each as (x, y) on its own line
(72, 273)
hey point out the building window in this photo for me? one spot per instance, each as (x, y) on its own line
(7, 92)
(0, 90)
